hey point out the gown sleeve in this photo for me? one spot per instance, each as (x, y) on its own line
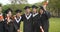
(47, 14)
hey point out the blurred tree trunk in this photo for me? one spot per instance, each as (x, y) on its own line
(55, 6)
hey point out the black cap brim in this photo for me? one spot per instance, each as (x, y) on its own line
(34, 6)
(9, 9)
(41, 7)
(27, 7)
(18, 11)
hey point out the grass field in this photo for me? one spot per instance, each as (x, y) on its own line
(54, 25)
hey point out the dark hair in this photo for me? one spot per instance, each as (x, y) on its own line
(9, 9)
(41, 7)
(34, 6)
(27, 7)
(18, 11)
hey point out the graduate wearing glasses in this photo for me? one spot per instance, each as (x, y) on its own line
(17, 20)
(8, 22)
(36, 20)
(1, 20)
(44, 18)
(27, 19)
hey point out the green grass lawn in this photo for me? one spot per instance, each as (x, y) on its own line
(54, 25)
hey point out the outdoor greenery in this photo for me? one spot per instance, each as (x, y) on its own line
(54, 25)
(53, 6)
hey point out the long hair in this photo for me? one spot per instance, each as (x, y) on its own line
(41, 7)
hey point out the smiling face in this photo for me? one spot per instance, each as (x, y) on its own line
(10, 13)
(34, 10)
(27, 10)
(41, 11)
(18, 14)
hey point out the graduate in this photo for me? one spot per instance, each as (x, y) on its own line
(8, 22)
(17, 20)
(35, 19)
(1, 20)
(1, 14)
(27, 19)
(44, 18)
(1, 26)
(0, 8)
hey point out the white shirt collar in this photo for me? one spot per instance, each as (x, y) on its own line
(18, 20)
(28, 16)
(35, 14)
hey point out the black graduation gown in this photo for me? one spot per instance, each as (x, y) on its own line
(27, 24)
(17, 25)
(8, 27)
(44, 18)
(36, 24)
(1, 26)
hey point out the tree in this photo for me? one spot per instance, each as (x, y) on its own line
(54, 5)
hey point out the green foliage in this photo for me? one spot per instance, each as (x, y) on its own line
(54, 7)
(14, 7)
(54, 25)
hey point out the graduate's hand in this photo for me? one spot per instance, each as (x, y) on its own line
(41, 29)
(8, 18)
(14, 16)
(18, 30)
(1, 18)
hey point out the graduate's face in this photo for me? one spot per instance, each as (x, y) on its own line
(18, 14)
(41, 11)
(10, 13)
(28, 10)
(34, 10)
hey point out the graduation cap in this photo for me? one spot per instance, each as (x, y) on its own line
(27, 7)
(9, 9)
(41, 7)
(34, 6)
(18, 11)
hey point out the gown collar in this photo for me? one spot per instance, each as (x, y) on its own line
(18, 19)
(35, 14)
(28, 16)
